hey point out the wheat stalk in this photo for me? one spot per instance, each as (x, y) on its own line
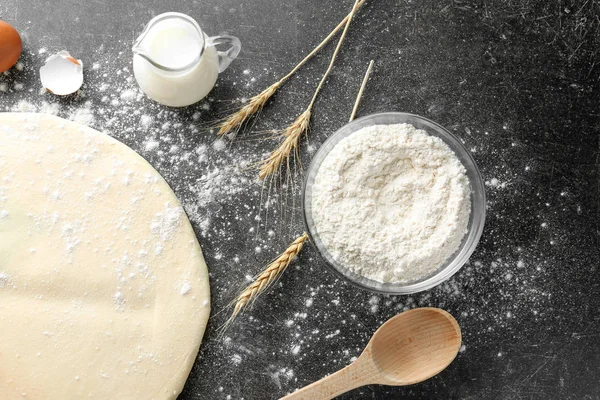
(291, 135)
(256, 103)
(361, 90)
(267, 277)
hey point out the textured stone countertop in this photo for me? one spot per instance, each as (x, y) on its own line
(516, 80)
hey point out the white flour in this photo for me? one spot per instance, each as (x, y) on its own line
(391, 203)
(166, 223)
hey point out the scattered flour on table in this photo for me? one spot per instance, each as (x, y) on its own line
(146, 121)
(151, 145)
(236, 359)
(24, 106)
(128, 95)
(219, 145)
(49, 108)
(83, 115)
(391, 203)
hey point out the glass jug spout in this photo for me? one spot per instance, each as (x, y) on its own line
(138, 50)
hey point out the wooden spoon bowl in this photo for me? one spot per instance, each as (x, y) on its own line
(414, 346)
(409, 348)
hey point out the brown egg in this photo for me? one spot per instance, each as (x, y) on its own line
(10, 46)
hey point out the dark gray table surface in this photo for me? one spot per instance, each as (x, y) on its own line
(516, 80)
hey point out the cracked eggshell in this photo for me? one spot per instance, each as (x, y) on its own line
(62, 74)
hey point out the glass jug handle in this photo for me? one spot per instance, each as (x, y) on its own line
(227, 56)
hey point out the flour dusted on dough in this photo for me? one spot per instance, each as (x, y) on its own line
(391, 203)
(165, 223)
(3, 279)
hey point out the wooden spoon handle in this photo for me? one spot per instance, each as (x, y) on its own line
(331, 386)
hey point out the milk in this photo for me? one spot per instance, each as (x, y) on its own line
(175, 63)
(174, 43)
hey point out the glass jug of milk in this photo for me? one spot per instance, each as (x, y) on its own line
(176, 63)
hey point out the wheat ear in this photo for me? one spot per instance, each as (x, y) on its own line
(267, 277)
(235, 120)
(256, 103)
(291, 135)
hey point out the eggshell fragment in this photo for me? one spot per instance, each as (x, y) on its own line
(62, 74)
(10, 46)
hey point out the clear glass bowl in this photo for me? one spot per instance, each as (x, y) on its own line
(476, 220)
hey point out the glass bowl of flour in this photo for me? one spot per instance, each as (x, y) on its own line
(394, 203)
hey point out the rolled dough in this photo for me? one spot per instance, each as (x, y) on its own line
(104, 291)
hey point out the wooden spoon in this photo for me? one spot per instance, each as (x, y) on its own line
(409, 348)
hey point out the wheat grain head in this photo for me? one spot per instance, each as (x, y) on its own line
(291, 136)
(254, 105)
(266, 278)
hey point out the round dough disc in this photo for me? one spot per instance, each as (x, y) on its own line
(104, 292)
